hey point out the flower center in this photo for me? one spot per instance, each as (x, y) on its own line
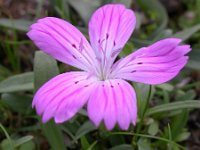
(104, 67)
(104, 74)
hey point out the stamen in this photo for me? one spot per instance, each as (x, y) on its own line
(101, 48)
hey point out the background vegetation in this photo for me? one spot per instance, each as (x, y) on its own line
(168, 113)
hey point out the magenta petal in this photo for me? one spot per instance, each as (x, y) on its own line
(62, 41)
(63, 96)
(110, 28)
(155, 64)
(96, 103)
(113, 101)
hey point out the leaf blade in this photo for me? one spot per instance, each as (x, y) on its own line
(20, 82)
(174, 106)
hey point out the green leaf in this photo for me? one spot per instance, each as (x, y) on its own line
(179, 121)
(144, 144)
(23, 140)
(153, 128)
(21, 82)
(7, 144)
(83, 112)
(191, 94)
(174, 106)
(45, 68)
(127, 3)
(24, 143)
(84, 142)
(84, 129)
(122, 147)
(187, 33)
(17, 24)
(166, 86)
(183, 136)
(144, 94)
(93, 145)
(194, 61)
(18, 103)
(53, 135)
(85, 8)
(28, 146)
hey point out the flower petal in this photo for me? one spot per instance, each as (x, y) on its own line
(110, 28)
(113, 101)
(63, 96)
(156, 64)
(62, 41)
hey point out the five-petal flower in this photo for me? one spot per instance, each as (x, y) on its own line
(101, 83)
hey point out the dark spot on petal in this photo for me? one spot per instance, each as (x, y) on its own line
(74, 56)
(107, 35)
(112, 86)
(76, 82)
(86, 85)
(73, 45)
(99, 41)
(118, 83)
(133, 71)
(103, 85)
(139, 63)
(114, 43)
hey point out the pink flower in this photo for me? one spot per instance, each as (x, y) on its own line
(101, 83)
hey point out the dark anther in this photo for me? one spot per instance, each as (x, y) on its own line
(76, 82)
(102, 85)
(99, 41)
(74, 45)
(139, 63)
(74, 56)
(133, 71)
(118, 83)
(107, 35)
(86, 85)
(112, 86)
